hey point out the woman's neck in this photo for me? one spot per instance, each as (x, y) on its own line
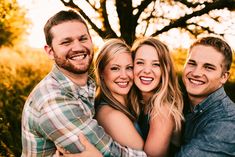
(121, 99)
(146, 96)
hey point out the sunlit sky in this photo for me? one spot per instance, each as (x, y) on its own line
(40, 10)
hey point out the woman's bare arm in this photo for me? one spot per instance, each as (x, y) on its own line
(159, 135)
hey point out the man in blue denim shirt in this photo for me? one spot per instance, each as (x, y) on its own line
(210, 122)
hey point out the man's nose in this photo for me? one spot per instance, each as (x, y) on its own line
(197, 71)
(77, 46)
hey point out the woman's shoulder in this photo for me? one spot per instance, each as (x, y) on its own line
(106, 108)
(109, 114)
(109, 111)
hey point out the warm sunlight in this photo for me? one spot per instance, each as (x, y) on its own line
(48, 94)
(40, 10)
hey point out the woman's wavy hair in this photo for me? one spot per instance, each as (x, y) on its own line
(167, 93)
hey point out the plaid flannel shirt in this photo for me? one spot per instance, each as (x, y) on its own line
(56, 111)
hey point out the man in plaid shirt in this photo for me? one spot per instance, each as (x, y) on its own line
(61, 106)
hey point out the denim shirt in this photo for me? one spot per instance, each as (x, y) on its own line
(210, 128)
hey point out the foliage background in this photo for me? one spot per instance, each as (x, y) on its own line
(21, 69)
(13, 23)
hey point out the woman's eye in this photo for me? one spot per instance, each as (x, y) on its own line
(139, 62)
(156, 64)
(114, 68)
(130, 68)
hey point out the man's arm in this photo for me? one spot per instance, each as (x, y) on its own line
(89, 151)
(63, 119)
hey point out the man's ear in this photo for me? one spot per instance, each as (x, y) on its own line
(225, 77)
(49, 51)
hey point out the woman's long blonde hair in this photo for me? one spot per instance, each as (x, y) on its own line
(167, 92)
(104, 55)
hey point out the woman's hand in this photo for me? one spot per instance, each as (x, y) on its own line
(89, 150)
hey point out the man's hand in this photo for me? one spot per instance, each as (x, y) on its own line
(89, 151)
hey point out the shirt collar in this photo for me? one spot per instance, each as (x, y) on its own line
(71, 86)
(210, 100)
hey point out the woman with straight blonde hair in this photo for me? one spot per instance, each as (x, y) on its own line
(114, 78)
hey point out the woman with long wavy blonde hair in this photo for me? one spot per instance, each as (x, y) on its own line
(156, 96)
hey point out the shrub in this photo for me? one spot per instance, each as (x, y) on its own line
(20, 72)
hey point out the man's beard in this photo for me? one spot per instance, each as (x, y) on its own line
(67, 65)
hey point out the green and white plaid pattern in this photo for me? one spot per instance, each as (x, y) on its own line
(56, 111)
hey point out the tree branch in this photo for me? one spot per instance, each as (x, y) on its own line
(189, 4)
(93, 7)
(181, 22)
(108, 32)
(71, 4)
(127, 22)
(148, 19)
(141, 8)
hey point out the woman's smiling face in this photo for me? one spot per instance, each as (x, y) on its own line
(147, 72)
(118, 74)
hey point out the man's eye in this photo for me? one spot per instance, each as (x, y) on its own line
(209, 68)
(83, 39)
(191, 63)
(65, 42)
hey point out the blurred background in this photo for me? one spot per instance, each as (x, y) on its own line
(23, 62)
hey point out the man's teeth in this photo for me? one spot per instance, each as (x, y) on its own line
(77, 57)
(196, 82)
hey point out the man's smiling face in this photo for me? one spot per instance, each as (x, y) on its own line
(203, 72)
